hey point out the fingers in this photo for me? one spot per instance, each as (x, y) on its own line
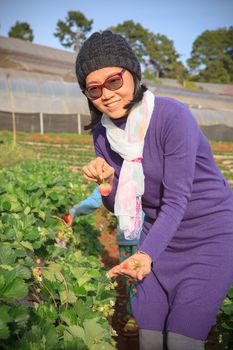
(100, 165)
(140, 275)
(114, 272)
(129, 273)
(89, 171)
(135, 267)
(108, 171)
(97, 170)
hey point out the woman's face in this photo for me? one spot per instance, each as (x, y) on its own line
(112, 102)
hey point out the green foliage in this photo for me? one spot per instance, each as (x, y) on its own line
(153, 50)
(135, 34)
(151, 76)
(221, 334)
(88, 236)
(190, 85)
(49, 290)
(11, 155)
(163, 56)
(214, 72)
(72, 32)
(212, 56)
(21, 30)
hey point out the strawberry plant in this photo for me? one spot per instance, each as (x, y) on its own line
(51, 295)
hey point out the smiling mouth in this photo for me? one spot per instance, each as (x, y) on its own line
(112, 104)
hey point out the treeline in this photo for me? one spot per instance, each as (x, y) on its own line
(211, 58)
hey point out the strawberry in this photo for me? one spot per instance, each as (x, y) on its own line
(125, 265)
(131, 265)
(68, 219)
(105, 189)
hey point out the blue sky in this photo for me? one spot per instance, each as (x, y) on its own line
(180, 20)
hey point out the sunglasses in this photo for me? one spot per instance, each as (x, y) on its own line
(113, 82)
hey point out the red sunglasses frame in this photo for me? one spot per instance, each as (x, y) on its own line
(101, 86)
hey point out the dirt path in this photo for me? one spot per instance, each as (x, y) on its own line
(110, 257)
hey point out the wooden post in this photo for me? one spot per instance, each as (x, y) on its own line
(41, 123)
(14, 127)
(79, 124)
(12, 109)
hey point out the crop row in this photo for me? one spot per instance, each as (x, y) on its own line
(54, 294)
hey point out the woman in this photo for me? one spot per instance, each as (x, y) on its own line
(151, 151)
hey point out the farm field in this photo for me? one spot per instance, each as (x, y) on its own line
(42, 190)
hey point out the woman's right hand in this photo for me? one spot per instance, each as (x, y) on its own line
(98, 170)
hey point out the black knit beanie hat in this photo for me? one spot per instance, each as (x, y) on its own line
(105, 49)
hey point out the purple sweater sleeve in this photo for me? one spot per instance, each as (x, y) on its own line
(179, 136)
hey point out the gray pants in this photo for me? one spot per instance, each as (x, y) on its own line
(156, 340)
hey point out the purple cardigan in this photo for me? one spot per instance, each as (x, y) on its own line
(184, 188)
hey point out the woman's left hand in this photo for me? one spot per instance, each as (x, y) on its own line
(136, 266)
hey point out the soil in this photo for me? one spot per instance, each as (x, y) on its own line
(110, 258)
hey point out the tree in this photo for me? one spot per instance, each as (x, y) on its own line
(21, 30)
(135, 34)
(154, 51)
(163, 56)
(214, 72)
(72, 32)
(212, 56)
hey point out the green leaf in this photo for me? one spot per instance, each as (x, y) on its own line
(2, 281)
(94, 273)
(20, 314)
(42, 215)
(32, 234)
(103, 345)
(69, 316)
(80, 291)
(54, 196)
(4, 330)
(78, 256)
(6, 206)
(77, 331)
(52, 273)
(47, 311)
(14, 290)
(23, 271)
(4, 312)
(82, 308)
(71, 297)
(27, 245)
(7, 255)
(81, 275)
(50, 334)
(230, 292)
(2, 191)
(49, 275)
(93, 332)
(27, 210)
(227, 326)
(20, 253)
(7, 267)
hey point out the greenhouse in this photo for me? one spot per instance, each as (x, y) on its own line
(39, 93)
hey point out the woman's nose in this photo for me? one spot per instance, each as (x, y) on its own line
(106, 94)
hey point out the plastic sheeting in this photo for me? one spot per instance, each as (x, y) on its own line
(211, 117)
(27, 92)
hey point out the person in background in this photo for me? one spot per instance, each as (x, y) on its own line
(153, 155)
(126, 249)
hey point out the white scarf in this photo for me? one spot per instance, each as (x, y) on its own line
(129, 145)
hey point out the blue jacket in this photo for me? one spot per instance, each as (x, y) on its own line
(89, 205)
